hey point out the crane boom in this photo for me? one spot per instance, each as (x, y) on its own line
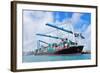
(60, 28)
(49, 36)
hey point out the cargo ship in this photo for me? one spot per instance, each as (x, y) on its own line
(65, 46)
(71, 50)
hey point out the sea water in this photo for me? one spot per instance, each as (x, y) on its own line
(45, 58)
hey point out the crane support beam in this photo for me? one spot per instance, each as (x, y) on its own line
(43, 41)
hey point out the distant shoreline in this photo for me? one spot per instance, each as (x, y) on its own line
(86, 52)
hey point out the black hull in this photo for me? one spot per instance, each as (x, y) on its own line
(70, 50)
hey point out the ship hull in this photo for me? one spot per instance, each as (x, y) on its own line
(70, 50)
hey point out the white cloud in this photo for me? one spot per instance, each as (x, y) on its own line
(87, 41)
(34, 22)
(76, 17)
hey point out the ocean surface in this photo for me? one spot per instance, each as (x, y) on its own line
(45, 58)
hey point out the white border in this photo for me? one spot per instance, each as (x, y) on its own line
(34, 65)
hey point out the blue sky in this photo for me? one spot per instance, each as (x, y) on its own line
(85, 19)
(34, 22)
(60, 16)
